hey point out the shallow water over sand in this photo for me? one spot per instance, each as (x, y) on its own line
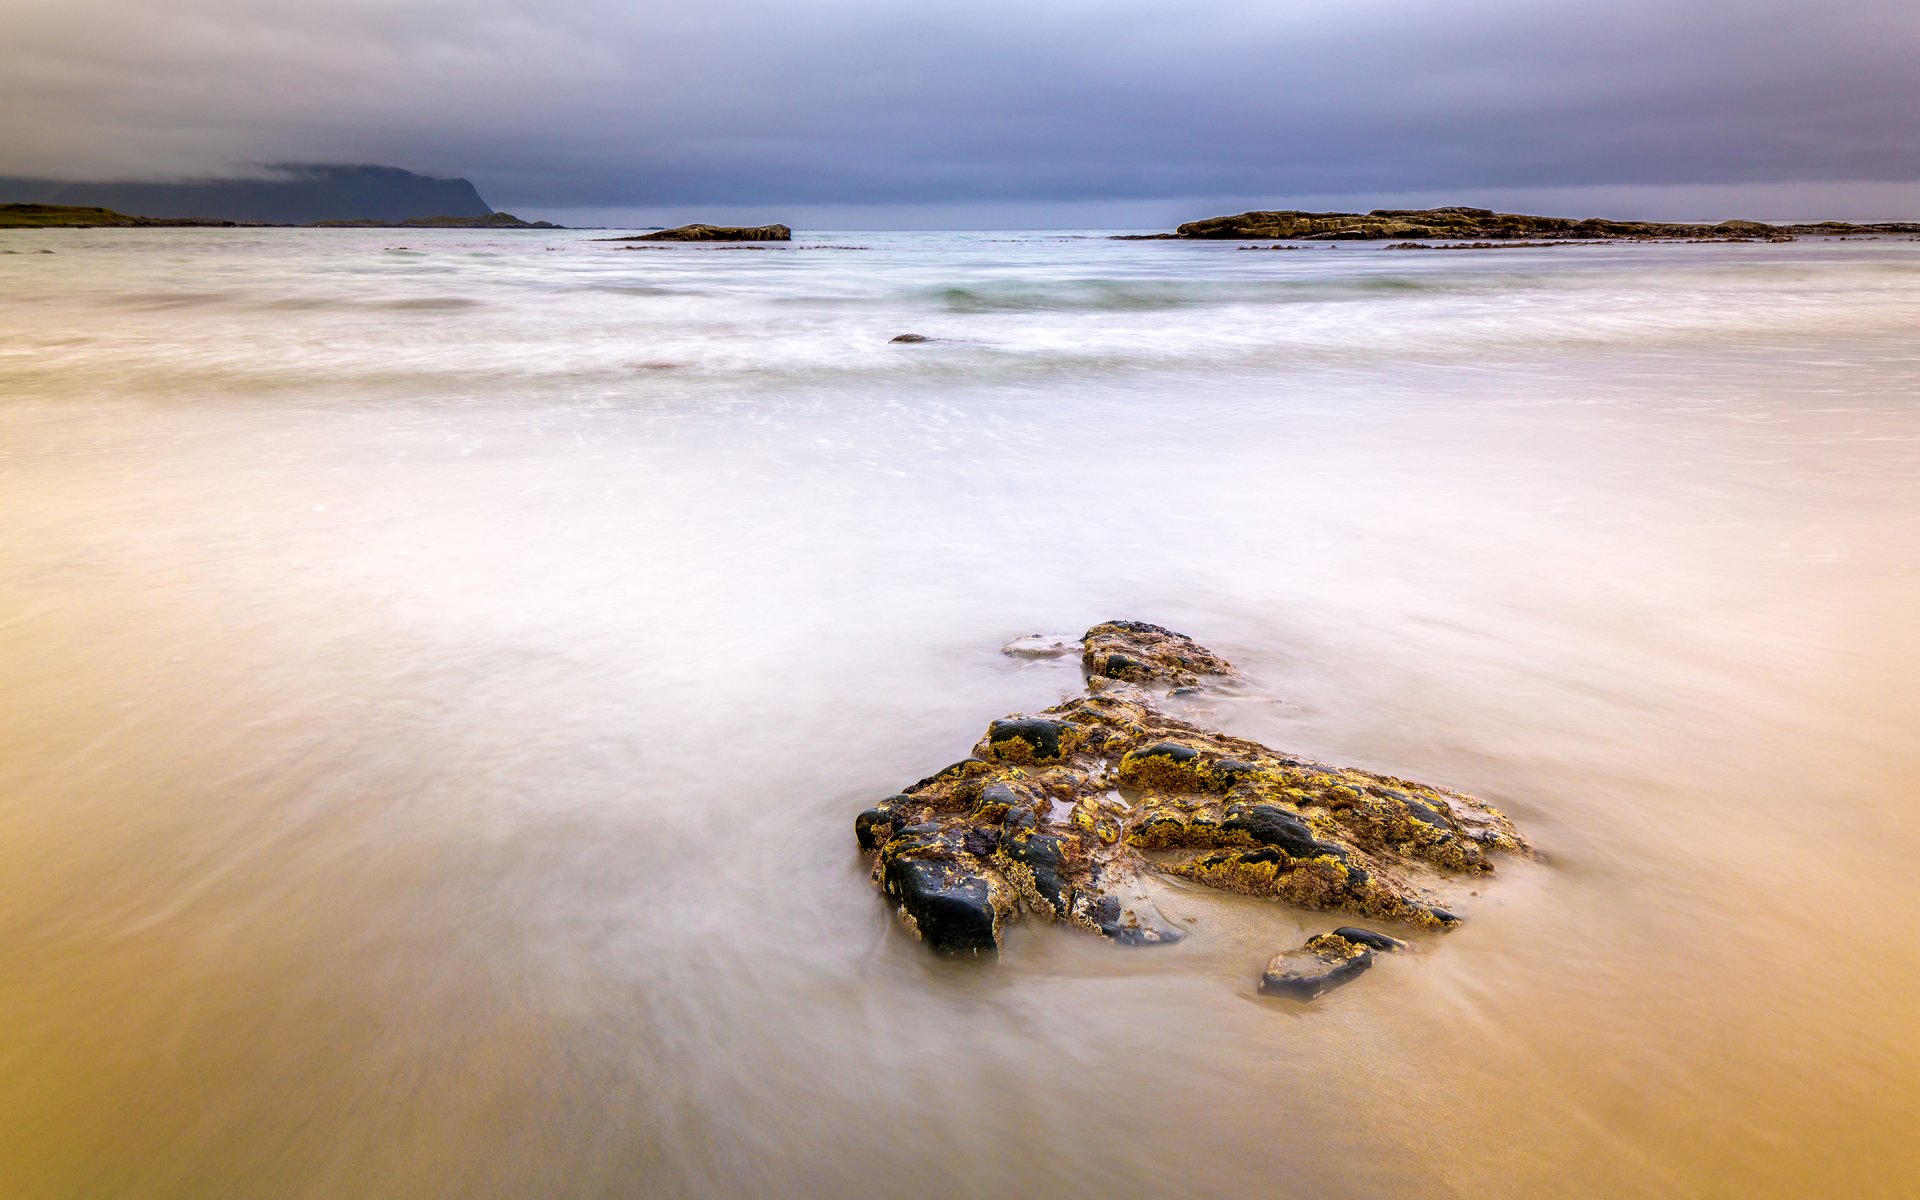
(440, 684)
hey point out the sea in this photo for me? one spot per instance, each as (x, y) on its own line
(440, 670)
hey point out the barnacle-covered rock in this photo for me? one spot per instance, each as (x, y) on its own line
(1137, 652)
(1063, 813)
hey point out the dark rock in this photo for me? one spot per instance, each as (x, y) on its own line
(1022, 738)
(999, 801)
(908, 338)
(1168, 750)
(950, 907)
(1233, 771)
(980, 841)
(1426, 814)
(1270, 825)
(1044, 859)
(1370, 939)
(873, 827)
(713, 233)
(1323, 964)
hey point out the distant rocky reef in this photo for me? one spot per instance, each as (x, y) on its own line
(1485, 225)
(713, 233)
(1060, 815)
(69, 216)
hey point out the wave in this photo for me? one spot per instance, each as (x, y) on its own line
(1115, 295)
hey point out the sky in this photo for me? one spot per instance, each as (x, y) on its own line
(866, 113)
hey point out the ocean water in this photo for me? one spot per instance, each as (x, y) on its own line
(441, 671)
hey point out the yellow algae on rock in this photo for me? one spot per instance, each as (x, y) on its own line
(1059, 813)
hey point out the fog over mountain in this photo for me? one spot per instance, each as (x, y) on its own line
(858, 106)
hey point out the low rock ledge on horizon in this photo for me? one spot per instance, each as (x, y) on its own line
(1483, 224)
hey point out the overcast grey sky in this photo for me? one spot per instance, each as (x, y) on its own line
(1104, 113)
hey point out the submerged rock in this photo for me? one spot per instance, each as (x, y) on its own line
(1042, 645)
(1321, 965)
(1063, 813)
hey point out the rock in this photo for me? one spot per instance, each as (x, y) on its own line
(1485, 225)
(1137, 652)
(1130, 920)
(942, 891)
(1027, 739)
(909, 337)
(1370, 939)
(713, 233)
(1060, 815)
(874, 827)
(1042, 645)
(1271, 825)
(949, 907)
(1321, 965)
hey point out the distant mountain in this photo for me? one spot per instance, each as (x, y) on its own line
(295, 195)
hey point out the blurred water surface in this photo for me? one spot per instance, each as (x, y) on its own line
(439, 683)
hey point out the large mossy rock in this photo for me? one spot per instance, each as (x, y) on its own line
(1059, 814)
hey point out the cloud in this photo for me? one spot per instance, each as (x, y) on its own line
(738, 102)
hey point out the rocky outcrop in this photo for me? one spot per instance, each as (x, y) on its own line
(1137, 652)
(1481, 224)
(1061, 814)
(713, 233)
(64, 216)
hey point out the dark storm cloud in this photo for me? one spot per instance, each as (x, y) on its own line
(738, 101)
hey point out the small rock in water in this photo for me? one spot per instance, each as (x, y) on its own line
(910, 337)
(1041, 645)
(1324, 963)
